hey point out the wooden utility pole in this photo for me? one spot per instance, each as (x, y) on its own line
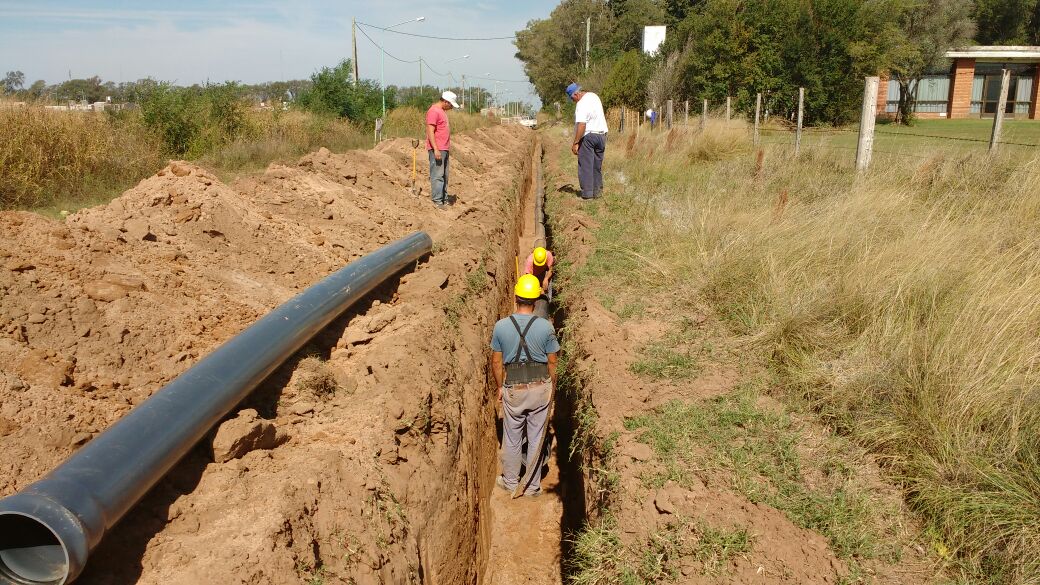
(865, 147)
(588, 43)
(353, 36)
(728, 102)
(621, 125)
(998, 117)
(798, 132)
(668, 114)
(704, 115)
(758, 113)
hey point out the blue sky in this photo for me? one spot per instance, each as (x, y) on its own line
(194, 41)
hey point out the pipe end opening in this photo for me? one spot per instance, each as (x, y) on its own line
(30, 552)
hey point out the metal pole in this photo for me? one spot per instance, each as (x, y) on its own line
(998, 118)
(588, 44)
(704, 115)
(382, 84)
(798, 132)
(48, 529)
(758, 113)
(729, 101)
(353, 35)
(421, 88)
(463, 104)
(865, 147)
(686, 113)
(621, 124)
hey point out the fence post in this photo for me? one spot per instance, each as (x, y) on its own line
(621, 125)
(668, 113)
(704, 115)
(758, 112)
(728, 101)
(798, 132)
(686, 113)
(865, 147)
(998, 118)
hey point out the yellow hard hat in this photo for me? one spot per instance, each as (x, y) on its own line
(540, 256)
(528, 287)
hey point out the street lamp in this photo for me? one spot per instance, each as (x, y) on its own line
(382, 82)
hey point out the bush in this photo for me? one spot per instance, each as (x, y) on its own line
(333, 92)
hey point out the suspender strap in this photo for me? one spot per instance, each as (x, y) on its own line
(523, 339)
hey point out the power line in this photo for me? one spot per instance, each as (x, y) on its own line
(380, 47)
(408, 34)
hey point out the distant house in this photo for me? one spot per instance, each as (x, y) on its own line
(971, 87)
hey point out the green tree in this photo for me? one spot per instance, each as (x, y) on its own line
(89, 89)
(931, 27)
(37, 88)
(1005, 22)
(13, 81)
(553, 49)
(333, 92)
(626, 83)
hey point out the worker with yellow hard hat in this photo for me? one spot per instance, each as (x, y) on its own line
(540, 264)
(524, 365)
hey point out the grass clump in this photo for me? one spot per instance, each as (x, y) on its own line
(600, 558)
(758, 449)
(315, 377)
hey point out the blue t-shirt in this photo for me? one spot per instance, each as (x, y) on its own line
(541, 339)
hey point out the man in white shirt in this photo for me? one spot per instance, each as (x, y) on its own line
(590, 140)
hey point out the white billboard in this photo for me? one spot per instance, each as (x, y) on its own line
(653, 38)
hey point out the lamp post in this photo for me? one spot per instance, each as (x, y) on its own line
(382, 82)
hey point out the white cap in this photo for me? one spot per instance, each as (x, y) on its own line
(450, 97)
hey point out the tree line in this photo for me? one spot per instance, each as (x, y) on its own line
(737, 48)
(330, 90)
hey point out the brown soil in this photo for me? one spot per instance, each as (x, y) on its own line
(782, 552)
(382, 454)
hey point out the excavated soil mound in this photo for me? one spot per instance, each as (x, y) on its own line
(367, 459)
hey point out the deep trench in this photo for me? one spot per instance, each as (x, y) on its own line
(571, 489)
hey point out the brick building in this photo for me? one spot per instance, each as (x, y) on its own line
(971, 86)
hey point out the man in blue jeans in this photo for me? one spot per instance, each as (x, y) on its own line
(438, 141)
(590, 140)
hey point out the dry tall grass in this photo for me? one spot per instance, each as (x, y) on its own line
(47, 155)
(904, 305)
(71, 159)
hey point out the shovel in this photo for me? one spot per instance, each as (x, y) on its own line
(415, 149)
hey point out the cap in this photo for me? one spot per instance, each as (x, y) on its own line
(573, 89)
(450, 97)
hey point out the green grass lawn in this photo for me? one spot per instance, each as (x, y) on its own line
(922, 139)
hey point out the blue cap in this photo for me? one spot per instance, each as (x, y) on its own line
(573, 89)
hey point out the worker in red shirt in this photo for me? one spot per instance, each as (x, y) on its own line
(438, 141)
(540, 264)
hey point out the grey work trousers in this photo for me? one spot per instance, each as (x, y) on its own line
(438, 177)
(590, 164)
(524, 410)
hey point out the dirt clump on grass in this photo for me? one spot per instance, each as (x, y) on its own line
(364, 458)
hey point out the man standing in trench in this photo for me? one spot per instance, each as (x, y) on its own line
(590, 139)
(524, 366)
(438, 141)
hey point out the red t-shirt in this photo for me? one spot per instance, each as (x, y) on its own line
(539, 271)
(438, 118)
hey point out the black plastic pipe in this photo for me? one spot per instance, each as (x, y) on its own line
(48, 529)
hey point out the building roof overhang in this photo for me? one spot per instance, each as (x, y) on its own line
(993, 53)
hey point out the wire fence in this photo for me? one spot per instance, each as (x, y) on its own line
(901, 141)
